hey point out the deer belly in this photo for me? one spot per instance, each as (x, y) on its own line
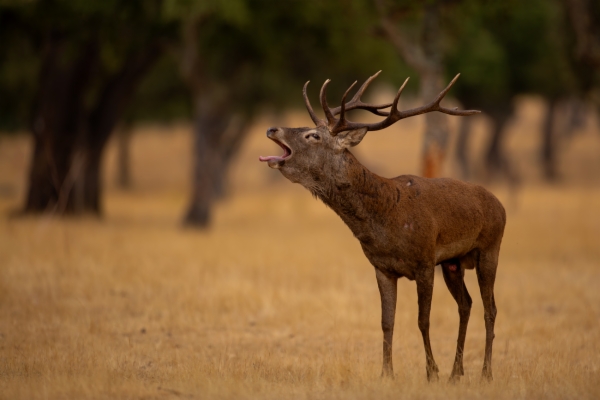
(453, 250)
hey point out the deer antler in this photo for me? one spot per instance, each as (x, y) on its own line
(318, 121)
(336, 126)
(354, 104)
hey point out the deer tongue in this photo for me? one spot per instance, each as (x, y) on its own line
(270, 158)
(277, 159)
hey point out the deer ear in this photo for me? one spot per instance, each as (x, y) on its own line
(348, 139)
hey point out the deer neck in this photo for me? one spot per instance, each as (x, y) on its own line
(353, 192)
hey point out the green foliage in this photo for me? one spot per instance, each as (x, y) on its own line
(232, 11)
(266, 50)
(162, 96)
(289, 43)
(510, 47)
(27, 27)
(18, 71)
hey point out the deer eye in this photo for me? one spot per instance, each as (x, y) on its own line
(313, 135)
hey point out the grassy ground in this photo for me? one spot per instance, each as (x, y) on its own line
(277, 300)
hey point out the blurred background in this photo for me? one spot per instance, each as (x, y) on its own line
(87, 87)
(145, 252)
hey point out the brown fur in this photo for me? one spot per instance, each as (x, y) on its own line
(406, 226)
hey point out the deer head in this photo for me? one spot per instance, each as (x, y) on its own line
(310, 152)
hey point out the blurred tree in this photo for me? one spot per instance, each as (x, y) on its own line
(584, 16)
(91, 57)
(71, 71)
(18, 66)
(493, 45)
(584, 42)
(236, 57)
(415, 30)
(208, 31)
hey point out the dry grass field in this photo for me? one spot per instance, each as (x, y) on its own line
(277, 300)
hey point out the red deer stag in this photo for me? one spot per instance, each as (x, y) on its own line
(406, 225)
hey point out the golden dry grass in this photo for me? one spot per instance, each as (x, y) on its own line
(277, 300)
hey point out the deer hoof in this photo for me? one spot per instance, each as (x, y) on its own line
(387, 374)
(486, 375)
(432, 376)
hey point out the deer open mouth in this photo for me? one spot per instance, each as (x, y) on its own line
(277, 160)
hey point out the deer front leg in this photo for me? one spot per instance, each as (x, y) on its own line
(425, 293)
(388, 289)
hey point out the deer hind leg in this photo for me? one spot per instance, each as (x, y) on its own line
(388, 291)
(425, 294)
(486, 275)
(454, 277)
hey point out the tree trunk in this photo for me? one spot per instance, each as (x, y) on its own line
(435, 142)
(69, 141)
(217, 138)
(218, 134)
(91, 184)
(44, 183)
(229, 145)
(497, 164)
(56, 125)
(114, 99)
(425, 56)
(207, 167)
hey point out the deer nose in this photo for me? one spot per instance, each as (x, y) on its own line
(271, 131)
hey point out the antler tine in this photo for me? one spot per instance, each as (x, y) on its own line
(328, 114)
(393, 116)
(453, 111)
(394, 109)
(364, 87)
(356, 102)
(342, 119)
(318, 121)
(443, 92)
(435, 105)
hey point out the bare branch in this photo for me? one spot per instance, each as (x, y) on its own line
(411, 53)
